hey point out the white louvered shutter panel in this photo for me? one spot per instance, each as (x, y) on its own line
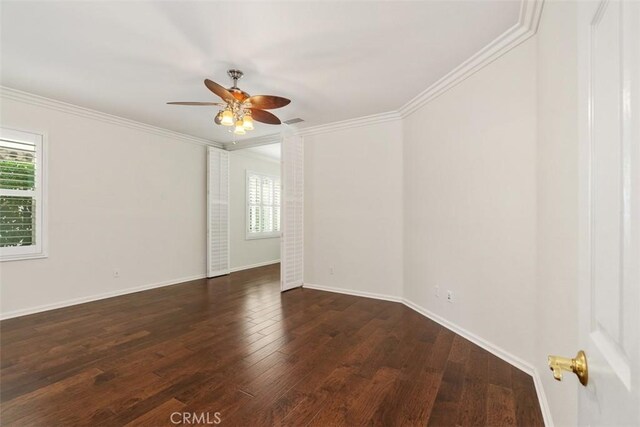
(218, 213)
(292, 241)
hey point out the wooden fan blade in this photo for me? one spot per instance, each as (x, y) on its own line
(264, 117)
(219, 90)
(267, 102)
(196, 103)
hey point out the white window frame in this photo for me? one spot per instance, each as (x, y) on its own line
(262, 235)
(39, 250)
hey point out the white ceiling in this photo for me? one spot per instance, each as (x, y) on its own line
(271, 151)
(334, 60)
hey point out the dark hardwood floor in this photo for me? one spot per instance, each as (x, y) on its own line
(237, 347)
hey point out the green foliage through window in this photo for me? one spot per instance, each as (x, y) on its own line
(16, 175)
(17, 216)
(17, 212)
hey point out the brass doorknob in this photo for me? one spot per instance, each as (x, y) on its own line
(577, 365)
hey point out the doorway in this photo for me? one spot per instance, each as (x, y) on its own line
(255, 209)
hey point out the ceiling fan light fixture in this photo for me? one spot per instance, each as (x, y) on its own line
(227, 118)
(239, 128)
(239, 109)
(247, 122)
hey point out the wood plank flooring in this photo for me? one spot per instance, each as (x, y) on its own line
(235, 348)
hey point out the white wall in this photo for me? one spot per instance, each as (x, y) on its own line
(247, 253)
(470, 203)
(489, 204)
(119, 198)
(353, 209)
(557, 204)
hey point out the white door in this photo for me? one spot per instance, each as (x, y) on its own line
(609, 79)
(217, 212)
(292, 240)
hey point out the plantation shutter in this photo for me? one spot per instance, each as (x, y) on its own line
(292, 241)
(263, 205)
(217, 212)
(22, 196)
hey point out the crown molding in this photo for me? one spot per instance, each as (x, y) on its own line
(315, 130)
(527, 26)
(257, 141)
(255, 156)
(52, 104)
(350, 123)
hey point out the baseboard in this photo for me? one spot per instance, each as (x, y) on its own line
(496, 351)
(353, 292)
(542, 398)
(481, 342)
(260, 264)
(488, 346)
(105, 295)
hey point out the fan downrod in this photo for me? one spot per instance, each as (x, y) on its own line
(235, 75)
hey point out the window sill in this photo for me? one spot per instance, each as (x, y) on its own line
(21, 257)
(257, 236)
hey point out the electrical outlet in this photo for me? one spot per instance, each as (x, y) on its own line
(436, 291)
(116, 273)
(331, 270)
(449, 296)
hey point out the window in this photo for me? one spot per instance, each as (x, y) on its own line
(263, 205)
(21, 195)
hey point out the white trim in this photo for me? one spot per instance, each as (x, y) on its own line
(496, 351)
(214, 274)
(263, 235)
(481, 342)
(315, 130)
(52, 104)
(105, 295)
(542, 398)
(353, 292)
(372, 119)
(22, 256)
(256, 156)
(491, 348)
(257, 141)
(260, 264)
(527, 26)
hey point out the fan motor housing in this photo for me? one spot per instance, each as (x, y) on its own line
(238, 94)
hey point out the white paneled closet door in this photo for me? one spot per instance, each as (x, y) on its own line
(292, 241)
(217, 212)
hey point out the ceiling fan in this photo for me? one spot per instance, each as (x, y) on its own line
(240, 109)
